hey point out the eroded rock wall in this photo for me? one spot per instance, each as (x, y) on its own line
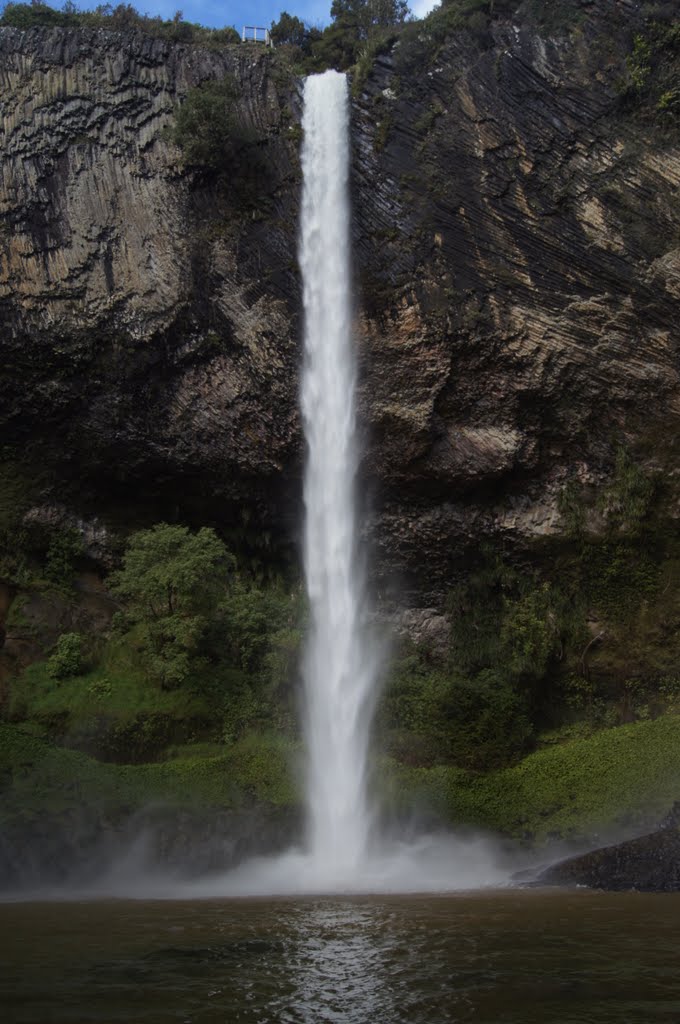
(149, 316)
(518, 269)
(517, 226)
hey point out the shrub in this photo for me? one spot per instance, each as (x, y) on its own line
(28, 15)
(65, 548)
(438, 716)
(208, 126)
(67, 659)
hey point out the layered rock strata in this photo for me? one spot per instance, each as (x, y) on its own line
(516, 237)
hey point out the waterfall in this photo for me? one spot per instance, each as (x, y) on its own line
(341, 662)
(339, 666)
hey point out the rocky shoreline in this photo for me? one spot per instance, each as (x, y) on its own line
(648, 863)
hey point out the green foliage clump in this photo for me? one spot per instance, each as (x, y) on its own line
(650, 90)
(669, 102)
(365, 18)
(639, 62)
(168, 570)
(432, 715)
(208, 129)
(17, 487)
(64, 550)
(23, 16)
(290, 31)
(259, 629)
(68, 657)
(627, 500)
(527, 637)
(359, 30)
(213, 134)
(421, 41)
(506, 620)
(171, 580)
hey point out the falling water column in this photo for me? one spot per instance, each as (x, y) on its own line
(339, 668)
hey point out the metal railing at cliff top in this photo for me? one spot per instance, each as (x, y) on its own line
(256, 34)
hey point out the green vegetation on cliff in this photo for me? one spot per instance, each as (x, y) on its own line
(552, 711)
(121, 17)
(40, 779)
(622, 778)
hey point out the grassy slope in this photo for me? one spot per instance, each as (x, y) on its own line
(628, 776)
(38, 778)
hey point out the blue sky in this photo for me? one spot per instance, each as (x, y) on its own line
(249, 12)
(237, 12)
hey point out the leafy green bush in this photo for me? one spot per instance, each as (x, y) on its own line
(65, 548)
(29, 15)
(168, 570)
(208, 128)
(67, 659)
(429, 716)
(172, 581)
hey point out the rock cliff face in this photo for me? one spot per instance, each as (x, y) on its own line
(517, 240)
(149, 330)
(519, 229)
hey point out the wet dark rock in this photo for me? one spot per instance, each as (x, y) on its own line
(649, 863)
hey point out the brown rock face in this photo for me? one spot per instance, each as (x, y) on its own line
(148, 315)
(516, 236)
(517, 231)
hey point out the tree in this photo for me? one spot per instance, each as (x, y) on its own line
(288, 30)
(168, 570)
(172, 579)
(369, 16)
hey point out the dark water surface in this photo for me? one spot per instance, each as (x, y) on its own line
(503, 957)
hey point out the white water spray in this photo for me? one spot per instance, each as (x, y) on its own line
(340, 666)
